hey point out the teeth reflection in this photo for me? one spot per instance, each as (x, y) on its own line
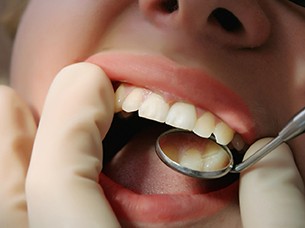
(216, 159)
(154, 108)
(182, 115)
(223, 133)
(211, 159)
(205, 125)
(134, 100)
(191, 159)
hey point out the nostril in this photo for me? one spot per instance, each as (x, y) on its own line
(168, 6)
(227, 20)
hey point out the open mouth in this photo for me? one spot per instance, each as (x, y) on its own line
(152, 106)
(137, 184)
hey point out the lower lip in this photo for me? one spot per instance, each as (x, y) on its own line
(165, 208)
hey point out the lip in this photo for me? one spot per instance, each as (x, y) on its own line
(165, 208)
(160, 74)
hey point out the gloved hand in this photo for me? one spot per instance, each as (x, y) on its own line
(272, 191)
(17, 132)
(61, 183)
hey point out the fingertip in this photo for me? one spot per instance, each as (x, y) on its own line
(272, 190)
(83, 73)
(82, 87)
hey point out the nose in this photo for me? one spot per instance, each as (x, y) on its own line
(238, 23)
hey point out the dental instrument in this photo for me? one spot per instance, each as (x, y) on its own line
(294, 128)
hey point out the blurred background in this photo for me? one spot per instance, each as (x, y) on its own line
(10, 12)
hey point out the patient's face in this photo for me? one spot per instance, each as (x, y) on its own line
(239, 63)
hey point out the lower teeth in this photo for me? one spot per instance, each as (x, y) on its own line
(194, 152)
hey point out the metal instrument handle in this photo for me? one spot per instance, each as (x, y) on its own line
(294, 128)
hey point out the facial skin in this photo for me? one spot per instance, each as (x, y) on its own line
(262, 60)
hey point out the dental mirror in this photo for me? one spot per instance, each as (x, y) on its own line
(204, 158)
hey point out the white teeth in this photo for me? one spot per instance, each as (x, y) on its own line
(212, 158)
(191, 159)
(223, 133)
(120, 96)
(133, 100)
(205, 125)
(182, 115)
(154, 108)
(216, 158)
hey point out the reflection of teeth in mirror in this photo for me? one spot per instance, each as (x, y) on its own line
(182, 115)
(215, 162)
(213, 158)
(205, 125)
(223, 133)
(191, 159)
(154, 108)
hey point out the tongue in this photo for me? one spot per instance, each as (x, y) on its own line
(138, 168)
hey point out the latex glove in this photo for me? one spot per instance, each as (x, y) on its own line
(272, 191)
(61, 184)
(17, 132)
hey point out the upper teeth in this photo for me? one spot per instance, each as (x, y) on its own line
(179, 114)
(182, 115)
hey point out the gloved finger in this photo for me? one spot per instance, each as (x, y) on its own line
(272, 191)
(61, 187)
(17, 132)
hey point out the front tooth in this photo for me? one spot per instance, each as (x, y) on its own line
(134, 100)
(205, 125)
(154, 108)
(182, 115)
(223, 133)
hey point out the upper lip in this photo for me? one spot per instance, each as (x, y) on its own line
(162, 75)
